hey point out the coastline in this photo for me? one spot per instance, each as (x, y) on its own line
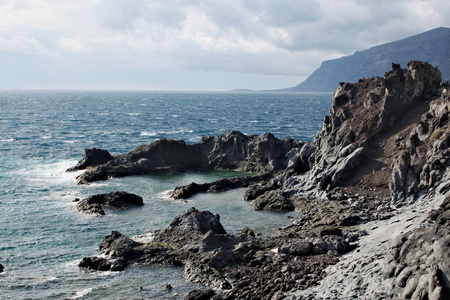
(320, 170)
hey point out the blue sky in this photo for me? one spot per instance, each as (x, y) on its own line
(193, 44)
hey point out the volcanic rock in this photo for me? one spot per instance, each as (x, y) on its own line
(197, 241)
(420, 263)
(102, 264)
(92, 158)
(117, 200)
(221, 185)
(230, 151)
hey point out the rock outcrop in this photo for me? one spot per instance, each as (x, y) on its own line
(218, 186)
(197, 241)
(92, 158)
(230, 151)
(116, 200)
(377, 141)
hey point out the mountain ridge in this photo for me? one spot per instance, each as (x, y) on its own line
(432, 46)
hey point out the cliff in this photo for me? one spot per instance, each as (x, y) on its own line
(431, 46)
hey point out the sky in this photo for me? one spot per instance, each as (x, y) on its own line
(194, 44)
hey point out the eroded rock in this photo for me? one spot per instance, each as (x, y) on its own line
(116, 200)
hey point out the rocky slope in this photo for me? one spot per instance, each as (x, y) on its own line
(378, 167)
(401, 125)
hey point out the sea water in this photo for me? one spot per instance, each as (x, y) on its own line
(42, 133)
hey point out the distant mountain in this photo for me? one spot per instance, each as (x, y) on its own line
(432, 46)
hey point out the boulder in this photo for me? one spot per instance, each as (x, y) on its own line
(274, 201)
(200, 295)
(101, 264)
(117, 200)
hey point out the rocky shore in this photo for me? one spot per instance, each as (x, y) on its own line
(372, 189)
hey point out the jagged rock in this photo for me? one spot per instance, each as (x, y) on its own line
(117, 245)
(221, 185)
(296, 247)
(273, 200)
(92, 158)
(230, 151)
(2, 268)
(94, 204)
(316, 245)
(102, 264)
(200, 295)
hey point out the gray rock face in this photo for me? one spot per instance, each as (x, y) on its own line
(420, 263)
(374, 138)
(230, 151)
(117, 200)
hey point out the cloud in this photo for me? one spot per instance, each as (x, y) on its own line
(266, 37)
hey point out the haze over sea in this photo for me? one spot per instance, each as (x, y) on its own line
(42, 133)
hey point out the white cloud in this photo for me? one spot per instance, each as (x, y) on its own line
(268, 37)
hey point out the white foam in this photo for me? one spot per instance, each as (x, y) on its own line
(80, 294)
(144, 238)
(147, 133)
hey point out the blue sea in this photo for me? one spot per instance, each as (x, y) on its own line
(42, 133)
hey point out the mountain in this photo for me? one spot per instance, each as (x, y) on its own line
(432, 46)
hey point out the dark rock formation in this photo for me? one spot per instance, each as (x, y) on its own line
(102, 264)
(197, 241)
(376, 142)
(92, 158)
(117, 200)
(230, 151)
(2, 268)
(221, 185)
(200, 295)
(420, 263)
(273, 200)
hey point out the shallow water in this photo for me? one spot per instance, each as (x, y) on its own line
(42, 133)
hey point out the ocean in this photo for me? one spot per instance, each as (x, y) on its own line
(42, 133)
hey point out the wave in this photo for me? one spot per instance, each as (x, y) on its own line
(80, 294)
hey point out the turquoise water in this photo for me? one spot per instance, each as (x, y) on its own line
(42, 133)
